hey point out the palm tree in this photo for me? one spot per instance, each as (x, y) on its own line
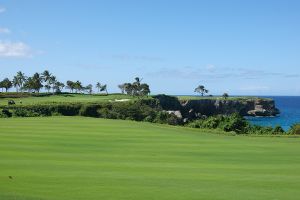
(70, 85)
(98, 86)
(128, 88)
(28, 84)
(52, 81)
(122, 88)
(58, 86)
(48, 88)
(46, 75)
(36, 82)
(78, 86)
(21, 79)
(104, 88)
(15, 83)
(89, 88)
(201, 89)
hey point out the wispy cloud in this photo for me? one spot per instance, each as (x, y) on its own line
(14, 49)
(211, 72)
(2, 9)
(4, 30)
(126, 57)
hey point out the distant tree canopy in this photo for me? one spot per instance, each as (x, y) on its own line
(6, 83)
(136, 88)
(49, 82)
(101, 88)
(201, 90)
(225, 95)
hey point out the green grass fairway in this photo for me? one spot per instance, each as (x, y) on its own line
(73, 158)
(65, 98)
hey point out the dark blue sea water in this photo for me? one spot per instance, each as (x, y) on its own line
(290, 113)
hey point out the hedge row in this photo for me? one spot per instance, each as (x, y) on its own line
(139, 110)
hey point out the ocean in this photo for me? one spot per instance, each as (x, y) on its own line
(289, 107)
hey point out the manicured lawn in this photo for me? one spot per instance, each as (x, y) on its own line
(73, 158)
(64, 98)
(85, 98)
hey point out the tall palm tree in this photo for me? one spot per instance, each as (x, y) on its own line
(104, 88)
(46, 76)
(78, 86)
(37, 82)
(89, 88)
(98, 86)
(52, 81)
(70, 85)
(15, 83)
(122, 88)
(21, 79)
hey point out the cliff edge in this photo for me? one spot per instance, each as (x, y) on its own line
(194, 108)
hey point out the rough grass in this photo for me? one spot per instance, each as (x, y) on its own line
(68, 158)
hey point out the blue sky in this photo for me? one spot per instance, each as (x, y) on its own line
(239, 47)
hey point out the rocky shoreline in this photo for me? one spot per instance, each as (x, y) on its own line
(195, 108)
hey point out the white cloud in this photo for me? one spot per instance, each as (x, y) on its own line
(4, 30)
(14, 49)
(126, 57)
(210, 67)
(2, 9)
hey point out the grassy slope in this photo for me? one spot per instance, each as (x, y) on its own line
(63, 98)
(96, 98)
(63, 158)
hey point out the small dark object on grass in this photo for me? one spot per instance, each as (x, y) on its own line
(11, 102)
(10, 177)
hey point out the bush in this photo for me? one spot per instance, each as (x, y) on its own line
(234, 123)
(89, 110)
(21, 112)
(5, 113)
(278, 130)
(163, 117)
(68, 109)
(11, 102)
(295, 129)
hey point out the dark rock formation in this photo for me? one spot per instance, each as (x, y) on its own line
(193, 109)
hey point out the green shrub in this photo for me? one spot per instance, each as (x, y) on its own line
(5, 113)
(260, 130)
(68, 109)
(163, 117)
(21, 112)
(89, 110)
(278, 130)
(295, 129)
(211, 122)
(234, 123)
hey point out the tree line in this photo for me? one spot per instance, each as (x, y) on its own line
(49, 82)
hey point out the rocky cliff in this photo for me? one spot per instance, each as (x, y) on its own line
(195, 108)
